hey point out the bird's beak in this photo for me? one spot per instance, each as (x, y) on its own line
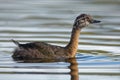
(95, 21)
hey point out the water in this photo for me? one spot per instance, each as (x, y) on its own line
(51, 21)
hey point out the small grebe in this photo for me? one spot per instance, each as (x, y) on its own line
(43, 50)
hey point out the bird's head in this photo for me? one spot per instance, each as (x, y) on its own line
(84, 20)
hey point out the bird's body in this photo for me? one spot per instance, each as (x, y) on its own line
(44, 50)
(41, 50)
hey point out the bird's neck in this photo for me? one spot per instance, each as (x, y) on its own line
(73, 44)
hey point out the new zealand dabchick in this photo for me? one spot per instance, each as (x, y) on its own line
(43, 50)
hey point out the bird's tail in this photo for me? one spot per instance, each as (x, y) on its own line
(16, 42)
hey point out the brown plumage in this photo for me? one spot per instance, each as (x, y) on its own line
(41, 50)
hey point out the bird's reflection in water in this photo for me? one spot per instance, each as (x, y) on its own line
(73, 69)
(74, 73)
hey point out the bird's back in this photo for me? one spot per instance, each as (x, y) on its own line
(38, 50)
